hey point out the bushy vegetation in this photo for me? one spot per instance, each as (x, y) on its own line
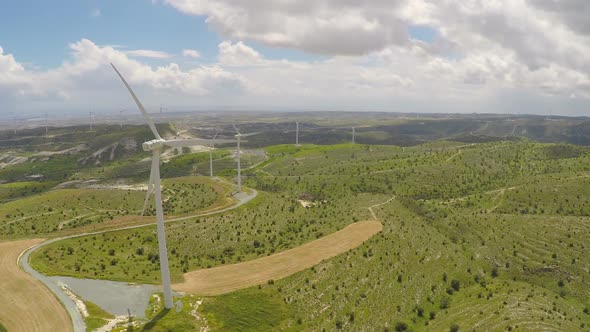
(486, 236)
(267, 225)
(64, 209)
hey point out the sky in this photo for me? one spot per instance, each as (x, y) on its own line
(457, 56)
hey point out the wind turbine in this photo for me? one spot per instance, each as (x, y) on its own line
(211, 155)
(121, 118)
(353, 133)
(239, 136)
(46, 128)
(155, 146)
(297, 134)
(91, 120)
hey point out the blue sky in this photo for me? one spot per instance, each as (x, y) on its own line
(45, 28)
(257, 54)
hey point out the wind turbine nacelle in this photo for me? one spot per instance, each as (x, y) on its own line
(153, 145)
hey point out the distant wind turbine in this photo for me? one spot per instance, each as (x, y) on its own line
(121, 118)
(297, 134)
(211, 147)
(155, 146)
(46, 126)
(353, 133)
(239, 136)
(91, 120)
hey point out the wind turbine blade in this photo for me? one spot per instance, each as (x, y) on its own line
(250, 134)
(149, 190)
(143, 111)
(236, 129)
(179, 143)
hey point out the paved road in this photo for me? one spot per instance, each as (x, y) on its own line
(77, 320)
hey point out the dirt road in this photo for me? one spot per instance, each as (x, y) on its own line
(224, 279)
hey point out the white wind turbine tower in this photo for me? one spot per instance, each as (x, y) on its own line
(91, 120)
(211, 146)
(297, 134)
(239, 136)
(46, 126)
(353, 133)
(155, 146)
(121, 118)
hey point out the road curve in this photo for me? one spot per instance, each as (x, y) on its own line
(70, 306)
(227, 278)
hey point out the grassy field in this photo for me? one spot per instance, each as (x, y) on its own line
(227, 278)
(183, 317)
(446, 255)
(64, 209)
(262, 227)
(486, 236)
(96, 318)
(247, 311)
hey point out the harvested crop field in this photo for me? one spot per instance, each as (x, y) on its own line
(25, 304)
(224, 279)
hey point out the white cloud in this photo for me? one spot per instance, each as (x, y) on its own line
(481, 50)
(237, 54)
(191, 53)
(148, 54)
(88, 78)
(329, 27)
(487, 56)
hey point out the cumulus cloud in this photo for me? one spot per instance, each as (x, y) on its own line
(485, 56)
(238, 54)
(480, 46)
(191, 53)
(148, 54)
(540, 32)
(86, 77)
(327, 27)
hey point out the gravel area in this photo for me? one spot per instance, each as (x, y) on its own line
(113, 296)
(96, 291)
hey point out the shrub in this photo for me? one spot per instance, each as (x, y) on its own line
(455, 284)
(494, 272)
(401, 326)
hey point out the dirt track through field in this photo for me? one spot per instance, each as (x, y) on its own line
(25, 303)
(224, 279)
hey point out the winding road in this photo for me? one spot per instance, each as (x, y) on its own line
(232, 277)
(70, 306)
